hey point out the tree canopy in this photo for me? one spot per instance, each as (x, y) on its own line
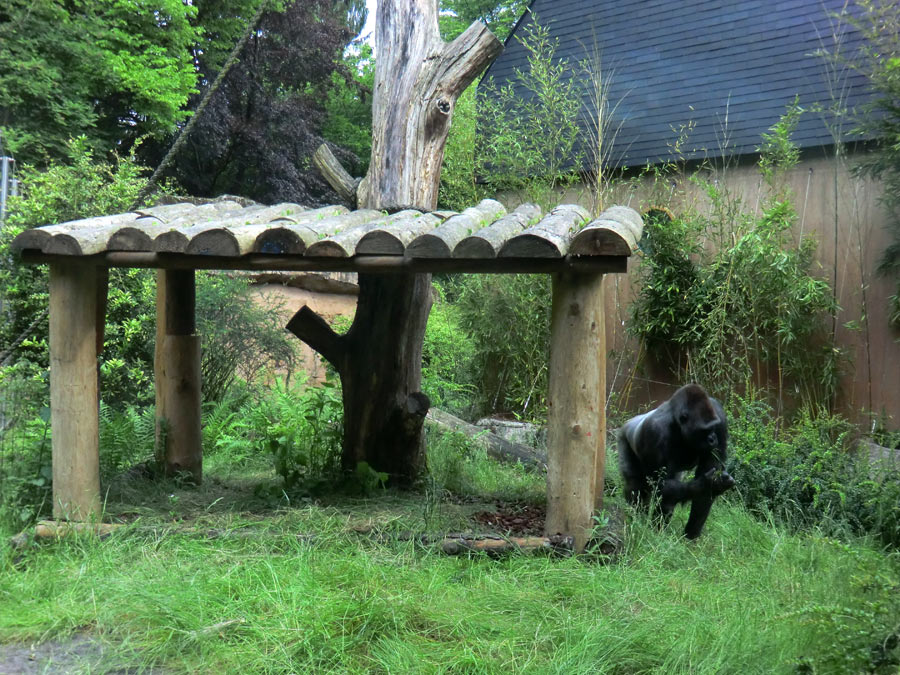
(107, 69)
(262, 126)
(500, 17)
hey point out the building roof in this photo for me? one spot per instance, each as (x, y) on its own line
(225, 234)
(728, 68)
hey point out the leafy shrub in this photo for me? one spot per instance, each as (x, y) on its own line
(447, 360)
(529, 135)
(879, 60)
(735, 294)
(348, 107)
(507, 319)
(810, 473)
(459, 188)
(25, 468)
(240, 336)
(234, 328)
(82, 187)
(456, 465)
(127, 437)
(299, 427)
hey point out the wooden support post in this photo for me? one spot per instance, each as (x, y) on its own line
(159, 367)
(576, 423)
(177, 369)
(74, 391)
(600, 453)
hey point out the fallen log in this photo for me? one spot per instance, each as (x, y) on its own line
(60, 529)
(498, 545)
(496, 446)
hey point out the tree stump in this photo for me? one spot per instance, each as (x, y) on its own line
(418, 79)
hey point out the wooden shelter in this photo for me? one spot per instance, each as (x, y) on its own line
(180, 238)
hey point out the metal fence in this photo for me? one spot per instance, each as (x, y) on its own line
(9, 186)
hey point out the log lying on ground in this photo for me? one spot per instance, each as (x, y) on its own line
(497, 447)
(497, 545)
(60, 529)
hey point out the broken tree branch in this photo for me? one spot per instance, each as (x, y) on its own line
(335, 174)
(315, 331)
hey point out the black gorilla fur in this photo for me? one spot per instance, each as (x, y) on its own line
(688, 431)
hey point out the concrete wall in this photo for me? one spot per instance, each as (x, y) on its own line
(843, 214)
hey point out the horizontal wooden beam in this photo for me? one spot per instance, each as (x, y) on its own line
(366, 264)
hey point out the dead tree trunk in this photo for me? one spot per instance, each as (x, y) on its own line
(418, 79)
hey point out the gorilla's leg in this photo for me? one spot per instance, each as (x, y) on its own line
(674, 491)
(637, 487)
(700, 508)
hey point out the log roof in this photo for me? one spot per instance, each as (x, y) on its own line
(224, 234)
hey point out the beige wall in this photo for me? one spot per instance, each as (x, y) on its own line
(843, 213)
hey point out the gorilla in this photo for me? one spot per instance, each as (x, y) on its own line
(688, 431)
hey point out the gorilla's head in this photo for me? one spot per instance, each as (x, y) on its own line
(696, 417)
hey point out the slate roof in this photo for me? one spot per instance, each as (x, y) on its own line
(677, 61)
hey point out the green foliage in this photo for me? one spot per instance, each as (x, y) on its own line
(879, 61)
(499, 17)
(106, 69)
(810, 474)
(507, 319)
(127, 437)
(529, 131)
(459, 188)
(236, 331)
(665, 310)
(260, 129)
(25, 462)
(77, 186)
(778, 153)
(81, 188)
(317, 594)
(126, 365)
(367, 480)
(241, 337)
(458, 466)
(746, 302)
(299, 427)
(348, 107)
(447, 357)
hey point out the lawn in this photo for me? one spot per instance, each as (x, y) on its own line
(229, 578)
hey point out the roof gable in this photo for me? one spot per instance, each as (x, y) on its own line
(728, 68)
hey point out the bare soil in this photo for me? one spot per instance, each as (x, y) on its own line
(78, 653)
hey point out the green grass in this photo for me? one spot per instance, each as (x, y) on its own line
(746, 598)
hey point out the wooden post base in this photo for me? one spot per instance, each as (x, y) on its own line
(180, 387)
(74, 391)
(177, 371)
(576, 407)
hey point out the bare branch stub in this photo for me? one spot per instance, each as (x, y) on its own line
(422, 76)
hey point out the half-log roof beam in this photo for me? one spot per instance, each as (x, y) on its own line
(477, 239)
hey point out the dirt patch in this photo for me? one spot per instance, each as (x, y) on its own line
(527, 520)
(74, 654)
(516, 519)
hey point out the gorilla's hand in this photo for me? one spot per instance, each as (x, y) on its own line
(719, 481)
